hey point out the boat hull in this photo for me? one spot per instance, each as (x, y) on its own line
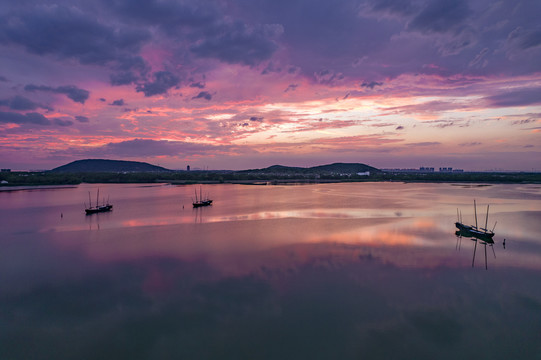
(98, 209)
(202, 203)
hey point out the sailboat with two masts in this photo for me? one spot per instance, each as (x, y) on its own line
(105, 206)
(199, 201)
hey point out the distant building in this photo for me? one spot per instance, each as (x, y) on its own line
(5, 170)
(446, 169)
(426, 169)
(188, 168)
(366, 173)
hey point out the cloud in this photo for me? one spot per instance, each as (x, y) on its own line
(328, 77)
(68, 32)
(82, 119)
(150, 148)
(271, 68)
(425, 143)
(73, 92)
(21, 103)
(392, 7)
(371, 85)
(163, 81)
(119, 102)
(525, 39)
(440, 16)
(400, 127)
(28, 118)
(62, 122)
(203, 95)
(123, 78)
(238, 43)
(520, 97)
(199, 85)
(291, 87)
(469, 144)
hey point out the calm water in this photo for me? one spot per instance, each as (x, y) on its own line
(330, 271)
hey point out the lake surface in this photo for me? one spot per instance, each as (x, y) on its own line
(326, 271)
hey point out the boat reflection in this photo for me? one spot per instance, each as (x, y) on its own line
(476, 237)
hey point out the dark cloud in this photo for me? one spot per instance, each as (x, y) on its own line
(203, 95)
(147, 147)
(238, 43)
(441, 16)
(62, 122)
(119, 102)
(393, 7)
(82, 119)
(291, 87)
(28, 118)
(73, 92)
(3, 78)
(21, 103)
(521, 97)
(123, 78)
(469, 144)
(425, 143)
(328, 77)
(163, 81)
(371, 85)
(169, 15)
(525, 39)
(68, 32)
(400, 127)
(271, 68)
(199, 85)
(256, 118)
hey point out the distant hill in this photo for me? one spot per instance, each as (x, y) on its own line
(336, 168)
(99, 165)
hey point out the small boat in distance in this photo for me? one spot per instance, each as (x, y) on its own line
(105, 206)
(199, 201)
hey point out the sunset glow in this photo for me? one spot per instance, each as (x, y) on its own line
(248, 84)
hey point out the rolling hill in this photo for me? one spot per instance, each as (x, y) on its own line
(336, 168)
(100, 165)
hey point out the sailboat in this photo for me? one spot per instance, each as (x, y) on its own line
(476, 233)
(105, 206)
(199, 201)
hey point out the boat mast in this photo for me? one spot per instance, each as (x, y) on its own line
(98, 197)
(475, 210)
(89, 200)
(486, 221)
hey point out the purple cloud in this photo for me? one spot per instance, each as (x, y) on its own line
(441, 16)
(73, 92)
(68, 33)
(20, 103)
(203, 95)
(119, 102)
(163, 81)
(520, 97)
(238, 43)
(28, 118)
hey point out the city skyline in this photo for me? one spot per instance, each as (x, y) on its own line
(250, 84)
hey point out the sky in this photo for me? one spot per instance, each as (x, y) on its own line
(241, 84)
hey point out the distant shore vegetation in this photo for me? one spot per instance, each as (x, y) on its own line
(15, 178)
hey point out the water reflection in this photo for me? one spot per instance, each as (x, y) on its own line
(371, 275)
